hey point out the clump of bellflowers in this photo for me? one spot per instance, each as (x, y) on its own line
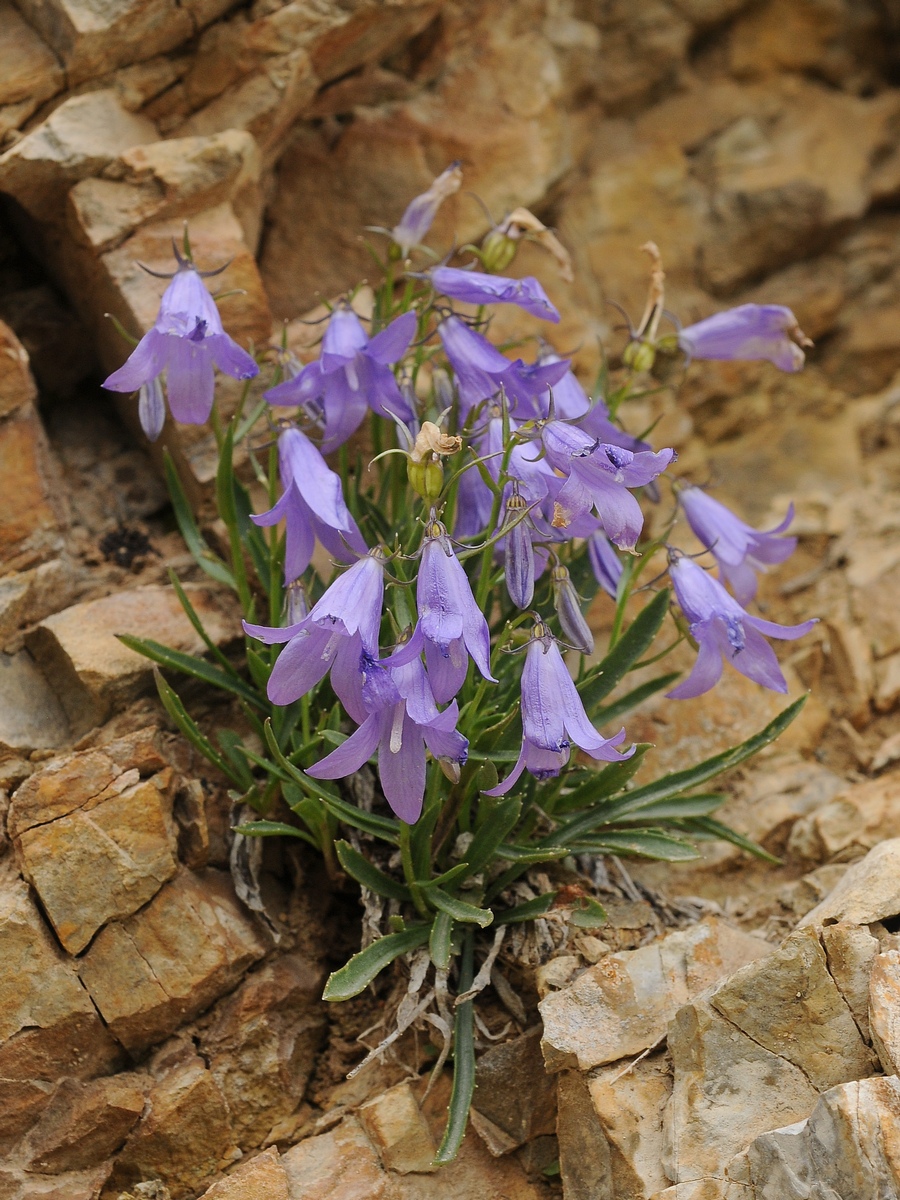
(441, 547)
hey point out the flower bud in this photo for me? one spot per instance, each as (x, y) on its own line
(639, 355)
(519, 565)
(498, 250)
(568, 609)
(426, 478)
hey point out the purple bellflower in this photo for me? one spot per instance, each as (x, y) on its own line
(605, 563)
(738, 548)
(451, 626)
(477, 287)
(722, 629)
(598, 476)
(311, 505)
(553, 717)
(481, 370)
(340, 634)
(420, 212)
(351, 375)
(749, 331)
(186, 341)
(570, 400)
(401, 720)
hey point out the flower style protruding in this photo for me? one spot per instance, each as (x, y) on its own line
(750, 331)
(738, 548)
(722, 629)
(553, 716)
(187, 340)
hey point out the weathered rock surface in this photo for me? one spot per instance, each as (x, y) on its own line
(884, 1009)
(85, 1123)
(851, 824)
(870, 891)
(622, 1005)
(31, 716)
(515, 1098)
(263, 1177)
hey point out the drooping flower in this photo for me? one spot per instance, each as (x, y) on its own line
(420, 212)
(351, 375)
(722, 629)
(750, 331)
(567, 603)
(477, 287)
(311, 505)
(738, 548)
(553, 716)
(605, 563)
(402, 719)
(481, 370)
(598, 476)
(339, 634)
(187, 340)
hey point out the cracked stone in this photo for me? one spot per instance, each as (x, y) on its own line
(85, 1123)
(884, 1009)
(870, 890)
(261, 1178)
(399, 1131)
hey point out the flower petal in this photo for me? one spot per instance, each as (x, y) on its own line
(144, 363)
(401, 767)
(230, 358)
(707, 670)
(391, 344)
(352, 754)
(190, 381)
(302, 664)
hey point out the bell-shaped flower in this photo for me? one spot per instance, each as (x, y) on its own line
(738, 548)
(481, 370)
(605, 563)
(599, 476)
(351, 376)
(339, 634)
(477, 287)
(722, 629)
(311, 505)
(187, 340)
(553, 716)
(421, 211)
(750, 331)
(401, 720)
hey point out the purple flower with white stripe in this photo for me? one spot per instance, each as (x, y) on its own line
(722, 629)
(352, 374)
(401, 720)
(311, 505)
(750, 331)
(481, 370)
(738, 548)
(598, 476)
(187, 340)
(477, 287)
(553, 717)
(421, 211)
(340, 634)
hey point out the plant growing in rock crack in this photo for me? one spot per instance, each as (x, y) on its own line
(442, 632)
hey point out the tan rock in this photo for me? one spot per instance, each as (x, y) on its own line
(847, 1147)
(851, 951)
(514, 1092)
(92, 671)
(183, 1137)
(31, 717)
(79, 138)
(33, 510)
(790, 1005)
(102, 862)
(727, 1090)
(260, 1178)
(338, 1165)
(870, 891)
(398, 1130)
(884, 1009)
(16, 382)
(85, 1123)
(28, 596)
(584, 1153)
(168, 962)
(622, 1006)
(851, 823)
(887, 675)
(872, 607)
(261, 1044)
(28, 67)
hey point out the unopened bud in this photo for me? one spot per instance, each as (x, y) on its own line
(296, 602)
(426, 478)
(450, 767)
(519, 558)
(498, 250)
(640, 356)
(568, 609)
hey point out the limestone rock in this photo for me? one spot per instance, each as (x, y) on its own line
(884, 1009)
(622, 1005)
(260, 1178)
(77, 140)
(85, 1123)
(261, 1044)
(338, 1165)
(514, 1094)
(92, 671)
(16, 382)
(584, 1154)
(48, 1026)
(847, 1149)
(851, 823)
(28, 596)
(28, 67)
(727, 1090)
(398, 1130)
(790, 1005)
(103, 861)
(851, 951)
(870, 891)
(31, 716)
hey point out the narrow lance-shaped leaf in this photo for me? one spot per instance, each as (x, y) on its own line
(363, 967)
(463, 1061)
(367, 874)
(458, 909)
(187, 664)
(194, 540)
(630, 648)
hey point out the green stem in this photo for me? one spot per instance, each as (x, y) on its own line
(409, 871)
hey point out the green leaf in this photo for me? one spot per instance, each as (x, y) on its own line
(498, 816)
(366, 873)
(676, 782)
(602, 784)
(171, 702)
(385, 828)
(608, 713)
(274, 829)
(588, 913)
(440, 944)
(175, 660)
(680, 807)
(191, 613)
(363, 967)
(644, 843)
(458, 909)
(712, 828)
(630, 648)
(194, 540)
(527, 911)
(463, 1062)
(528, 856)
(459, 871)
